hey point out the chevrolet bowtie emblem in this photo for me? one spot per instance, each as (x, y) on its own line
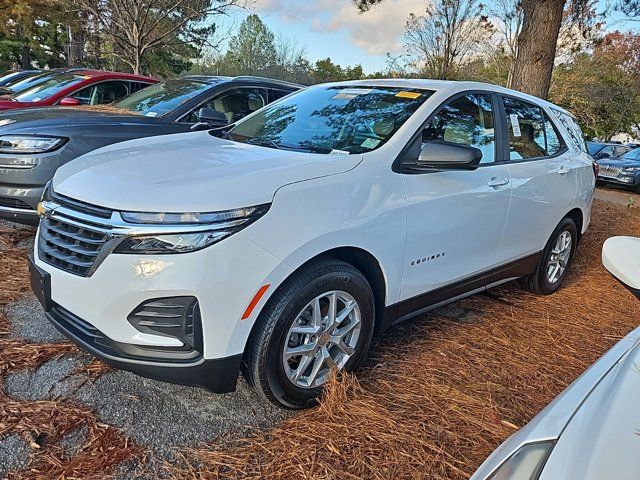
(44, 210)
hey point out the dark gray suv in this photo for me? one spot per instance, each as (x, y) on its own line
(35, 142)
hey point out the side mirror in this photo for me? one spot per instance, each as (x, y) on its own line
(603, 155)
(70, 102)
(212, 117)
(621, 257)
(439, 155)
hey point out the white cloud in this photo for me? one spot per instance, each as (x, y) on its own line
(377, 31)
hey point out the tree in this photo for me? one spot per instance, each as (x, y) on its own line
(138, 27)
(446, 35)
(29, 33)
(538, 39)
(252, 51)
(601, 88)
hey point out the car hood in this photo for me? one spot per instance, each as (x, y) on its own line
(189, 172)
(10, 104)
(40, 120)
(619, 162)
(602, 440)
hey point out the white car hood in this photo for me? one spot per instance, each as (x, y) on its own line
(602, 440)
(189, 172)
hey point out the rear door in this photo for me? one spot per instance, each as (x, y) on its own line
(455, 217)
(543, 174)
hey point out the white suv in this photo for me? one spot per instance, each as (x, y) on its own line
(281, 245)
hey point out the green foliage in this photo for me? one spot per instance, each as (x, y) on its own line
(600, 92)
(252, 50)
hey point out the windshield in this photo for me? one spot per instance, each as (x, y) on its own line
(161, 98)
(333, 119)
(50, 86)
(28, 82)
(632, 155)
(594, 147)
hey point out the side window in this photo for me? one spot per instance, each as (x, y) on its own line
(277, 94)
(84, 95)
(574, 130)
(467, 120)
(101, 93)
(531, 133)
(109, 92)
(135, 86)
(235, 104)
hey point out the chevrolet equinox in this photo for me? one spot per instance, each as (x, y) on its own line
(280, 245)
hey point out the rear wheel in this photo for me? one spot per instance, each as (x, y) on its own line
(319, 320)
(556, 258)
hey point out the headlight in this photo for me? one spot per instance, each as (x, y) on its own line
(213, 227)
(526, 464)
(29, 144)
(631, 169)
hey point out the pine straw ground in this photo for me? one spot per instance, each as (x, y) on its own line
(438, 395)
(44, 423)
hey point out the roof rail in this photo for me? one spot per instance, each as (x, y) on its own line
(273, 80)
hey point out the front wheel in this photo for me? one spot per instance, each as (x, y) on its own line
(555, 260)
(319, 320)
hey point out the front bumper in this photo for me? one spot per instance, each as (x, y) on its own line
(624, 180)
(216, 375)
(22, 181)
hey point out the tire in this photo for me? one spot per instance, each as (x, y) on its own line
(601, 183)
(265, 367)
(539, 282)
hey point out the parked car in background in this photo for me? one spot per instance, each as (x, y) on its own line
(282, 243)
(35, 142)
(9, 78)
(590, 431)
(31, 81)
(622, 172)
(599, 150)
(77, 87)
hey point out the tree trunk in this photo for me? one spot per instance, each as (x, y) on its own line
(26, 57)
(77, 42)
(537, 46)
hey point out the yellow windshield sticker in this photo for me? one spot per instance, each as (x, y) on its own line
(411, 95)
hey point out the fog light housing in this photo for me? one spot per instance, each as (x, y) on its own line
(175, 317)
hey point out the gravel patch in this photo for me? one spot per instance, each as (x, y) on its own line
(51, 380)
(14, 454)
(73, 442)
(28, 322)
(163, 416)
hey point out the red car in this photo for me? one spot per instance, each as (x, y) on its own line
(78, 87)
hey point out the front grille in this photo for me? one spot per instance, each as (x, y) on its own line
(82, 207)
(14, 203)
(610, 171)
(68, 246)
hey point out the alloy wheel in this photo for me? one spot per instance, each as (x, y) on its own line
(323, 337)
(559, 257)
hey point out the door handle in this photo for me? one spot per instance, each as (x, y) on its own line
(564, 170)
(496, 182)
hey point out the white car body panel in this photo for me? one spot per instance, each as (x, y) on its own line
(319, 203)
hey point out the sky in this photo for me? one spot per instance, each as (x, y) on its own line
(335, 28)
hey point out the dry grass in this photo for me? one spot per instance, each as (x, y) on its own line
(440, 394)
(44, 423)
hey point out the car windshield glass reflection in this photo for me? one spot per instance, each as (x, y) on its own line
(632, 155)
(337, 119)
(49, 87)
(161, 98)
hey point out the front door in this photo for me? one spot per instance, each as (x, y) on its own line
(455, 218)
